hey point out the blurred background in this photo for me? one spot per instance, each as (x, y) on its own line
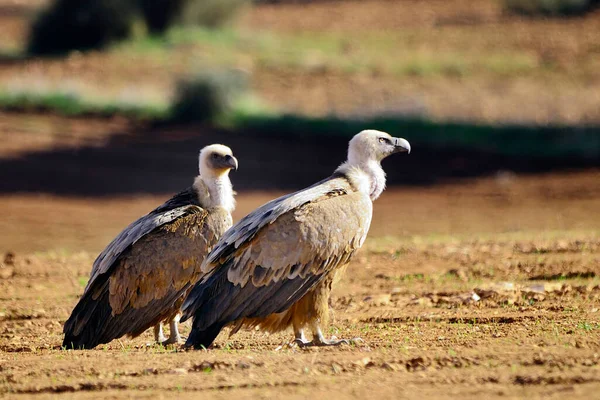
(104, 105)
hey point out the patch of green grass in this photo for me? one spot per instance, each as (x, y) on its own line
(69, 104)
(410, 278)
(75, 104)
(82, 280)
(588, 326)
(376, 52)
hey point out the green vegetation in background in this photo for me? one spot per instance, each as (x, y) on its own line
(160, 15)
(549, 7)
(207, 95)
(508, 140)
(67, 25)
(233, 108)
(74, 105)
(374, 52)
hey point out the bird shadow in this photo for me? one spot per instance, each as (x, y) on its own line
(163, 159)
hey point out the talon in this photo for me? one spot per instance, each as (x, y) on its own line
(302, 343)
(324, 342)
(171, 340)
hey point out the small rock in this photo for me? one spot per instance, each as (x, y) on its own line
(417, 364)
(203, 366)
(243, 365)
(363, 362)
(459, 273)
(423, 301)
(336, 368)
(151, 371)
(6, 272)
(9, 258)
(378, 300)
(178, 371)
(550, 287)
(389, 367)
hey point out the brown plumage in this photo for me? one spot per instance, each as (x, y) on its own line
(142, 277)
(275, 268)
(312, 310)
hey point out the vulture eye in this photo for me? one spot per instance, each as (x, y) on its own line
(383, 140)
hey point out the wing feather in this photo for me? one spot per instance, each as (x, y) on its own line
(177, 206)
(250, 225)
(276, 254)
(148, 280)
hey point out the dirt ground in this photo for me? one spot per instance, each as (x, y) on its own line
(487, 288)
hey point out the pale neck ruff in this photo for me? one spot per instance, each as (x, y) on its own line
(215, 191)
(368, 176)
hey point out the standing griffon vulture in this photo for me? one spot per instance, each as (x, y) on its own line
(275, 267)
(143, 275)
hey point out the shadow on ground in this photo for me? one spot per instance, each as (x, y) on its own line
(292, 153)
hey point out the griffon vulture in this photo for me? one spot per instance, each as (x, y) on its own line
(143, 275)
(275, 267)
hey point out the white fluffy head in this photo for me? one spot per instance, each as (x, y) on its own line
(365, 152)
(216, 160)
(213, 185)
(372, 145)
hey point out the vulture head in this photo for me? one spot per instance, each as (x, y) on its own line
(372, 145)
(216, 160)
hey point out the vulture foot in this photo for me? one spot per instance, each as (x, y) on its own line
(174, 336)
(327, 342)
(172, 340)
(319, 340)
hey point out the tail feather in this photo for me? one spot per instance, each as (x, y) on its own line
(92, 321)
(203, 339)
(83, 329)
(218, 302)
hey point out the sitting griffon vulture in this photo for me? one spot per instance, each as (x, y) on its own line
(275, 267)
(142, 277)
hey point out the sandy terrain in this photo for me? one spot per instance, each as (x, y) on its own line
(485, 289)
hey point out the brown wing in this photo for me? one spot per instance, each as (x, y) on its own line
(312, 240)
(162, 262)
(148, 281)
(280, 263)
(179, 205)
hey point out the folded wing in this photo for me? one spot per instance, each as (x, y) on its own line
(278, 253)
(143, 275)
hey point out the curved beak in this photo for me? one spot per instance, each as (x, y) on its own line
(231, 162)
(401, 145)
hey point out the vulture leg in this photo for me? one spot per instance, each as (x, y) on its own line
(317, 305)
(159, 336)
(319, 340)
(299, 337)
(174, 336)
